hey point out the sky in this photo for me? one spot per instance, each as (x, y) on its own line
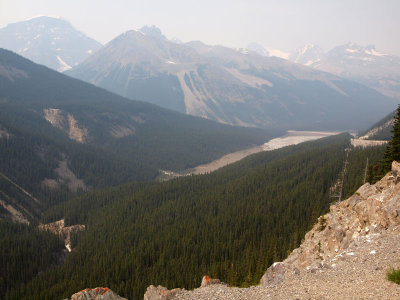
(281, 24)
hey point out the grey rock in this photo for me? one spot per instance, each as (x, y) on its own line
(275, 274)
(395, 168)
(208, 280)
(160, 293)
(98, 293)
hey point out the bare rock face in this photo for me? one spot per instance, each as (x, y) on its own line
(98, 293)
(67, 123)
(160, 293)
(371, 210)
(63, 231)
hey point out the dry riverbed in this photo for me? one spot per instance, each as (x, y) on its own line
(292, 137)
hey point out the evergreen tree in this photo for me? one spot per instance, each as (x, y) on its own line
(392, 151)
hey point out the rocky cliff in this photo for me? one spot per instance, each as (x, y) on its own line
(344, 256)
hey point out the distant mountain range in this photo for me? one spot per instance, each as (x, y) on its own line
(52, 42)
(232, 86)
(362, 64)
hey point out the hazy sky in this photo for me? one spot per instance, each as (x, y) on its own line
(282, 24)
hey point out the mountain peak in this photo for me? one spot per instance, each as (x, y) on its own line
(356, 49)
(258, 48)
(48, 40)
(152, 31)
(307, 55)
(44, 21)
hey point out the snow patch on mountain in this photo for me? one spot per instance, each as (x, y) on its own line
(63, 65)
(46, 40)
(374, 52)
(277, 53)
(267, 51)
(365, 65)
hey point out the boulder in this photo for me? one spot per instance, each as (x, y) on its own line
(396, 167)
(274, 275)
(208, 280)
(160, 293)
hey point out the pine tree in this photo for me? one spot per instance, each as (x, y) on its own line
(392, 151)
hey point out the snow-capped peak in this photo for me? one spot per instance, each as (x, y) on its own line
(306, 48)
(48, 40)
(307, 55)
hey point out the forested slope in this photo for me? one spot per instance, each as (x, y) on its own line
(231, 224)
(381, 130)
(59, 136)
(148, 135)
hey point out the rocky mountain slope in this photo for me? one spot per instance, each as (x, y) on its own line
(380, 130)
(345, 256)
(52, 42)
(230, 85)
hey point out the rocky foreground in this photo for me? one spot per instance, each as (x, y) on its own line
(99, 293)
(345, 256)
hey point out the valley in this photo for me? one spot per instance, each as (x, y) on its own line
(141, 165)
(293, 137)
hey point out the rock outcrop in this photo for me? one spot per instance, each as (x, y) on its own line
(274, 275)
(371, 210)
(160, 293)
(345, 256)
(208, 281)
(63, 231)
(366, 143)
(99, 293)
(67, 123)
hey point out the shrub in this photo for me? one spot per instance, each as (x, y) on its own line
(393, 275)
